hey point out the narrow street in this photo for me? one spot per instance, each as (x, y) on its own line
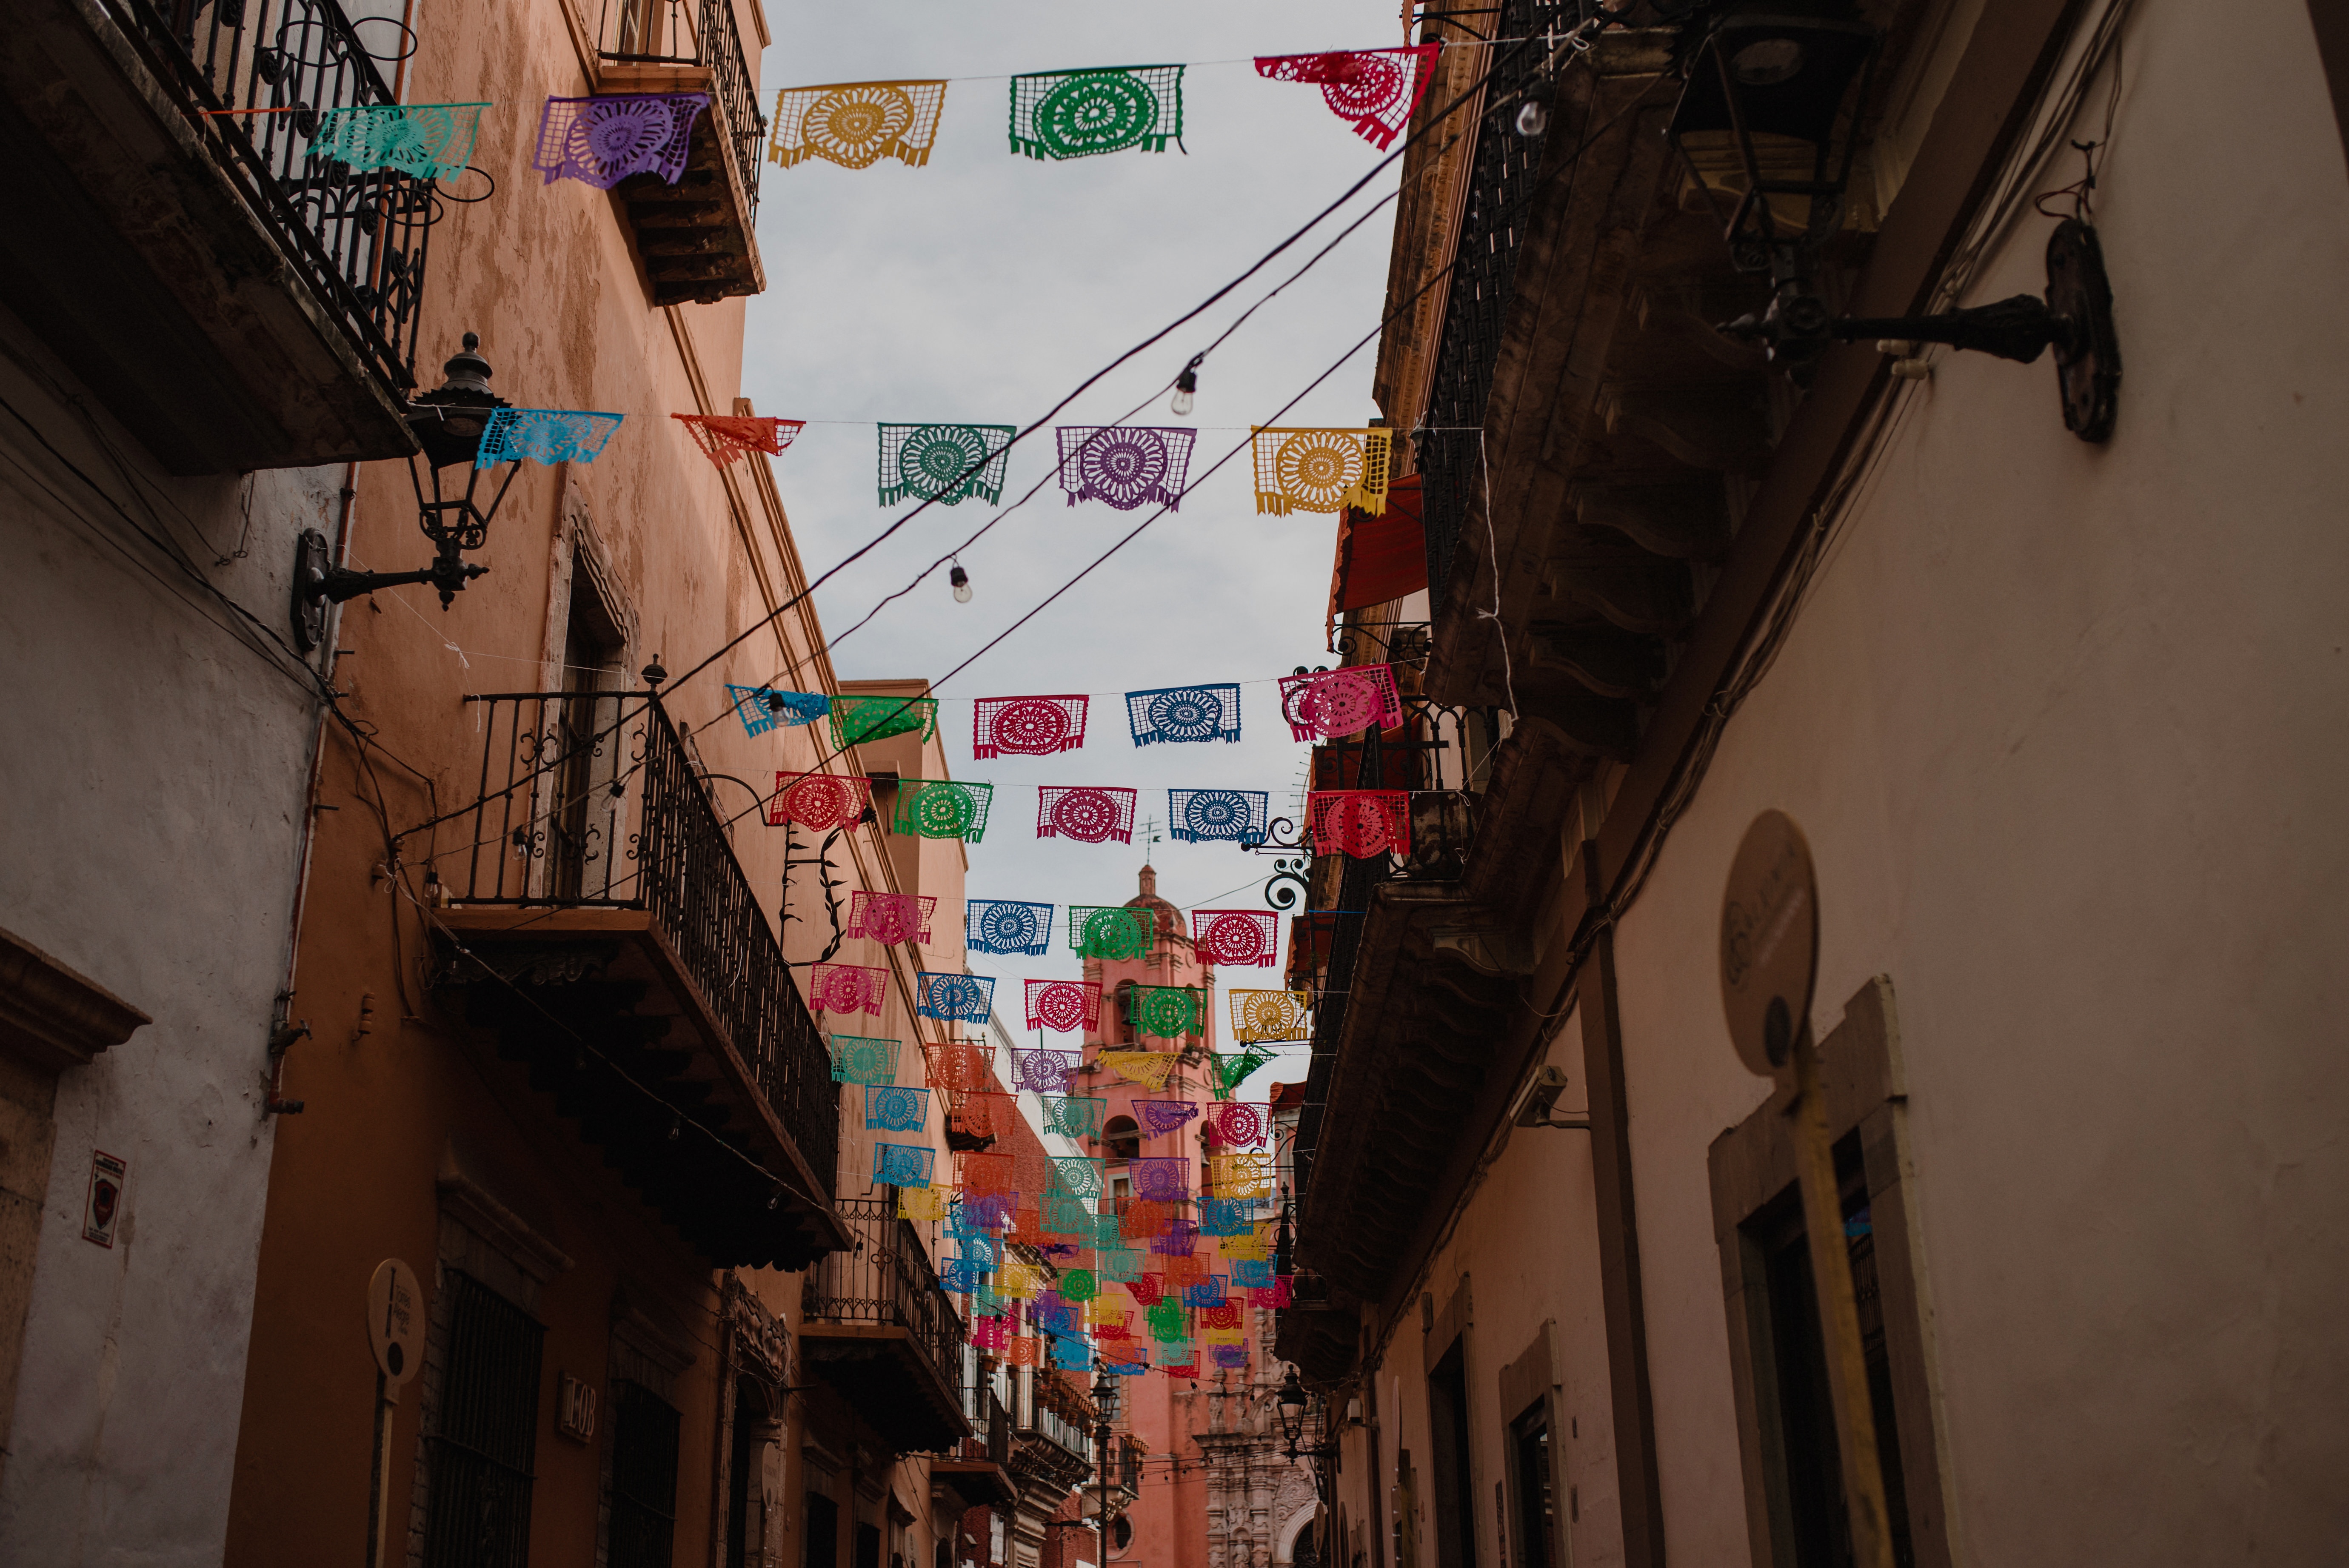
(1541, 785)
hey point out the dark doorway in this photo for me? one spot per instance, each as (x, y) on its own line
(745, 1495)
(823, 1531)
(1456, 1489)
(1537, 1508)
(868, 1546)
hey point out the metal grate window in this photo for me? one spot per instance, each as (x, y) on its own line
(486, 1435)
(644, 1477)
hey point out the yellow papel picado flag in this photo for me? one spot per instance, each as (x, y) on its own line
(1320, 469)
(857, 124)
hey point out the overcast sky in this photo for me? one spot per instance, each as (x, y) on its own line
(984, 286)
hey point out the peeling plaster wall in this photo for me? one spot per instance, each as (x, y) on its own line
(154, 785)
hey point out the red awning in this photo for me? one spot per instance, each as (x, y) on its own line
(1382, 557)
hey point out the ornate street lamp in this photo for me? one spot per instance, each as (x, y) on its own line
(449, 422)
(1105, 1393)
(1782, 98)
(1292, 1406)
(1290, 1401)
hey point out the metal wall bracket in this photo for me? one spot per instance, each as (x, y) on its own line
(2075, 319)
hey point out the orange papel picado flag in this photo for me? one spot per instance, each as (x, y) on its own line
(1320, 469)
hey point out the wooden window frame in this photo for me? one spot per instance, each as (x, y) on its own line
(1752, 1168)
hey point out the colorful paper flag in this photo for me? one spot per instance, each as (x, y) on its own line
(723, 438)
(1375, 90)
(1183, 713)
(1089, 814)
(1319, 470)
(1363, 823)
(1125, 465)
(856, 1058)
(1267, 1017)
(848, 988)
(948, 464)
(603, 139)
(427, 140)
(857, 124)
(1111, 932)
(761, 708)
(1079, 114)
(544, 436)
(1063, 1006)
(1243, 938)
(943, 808)
(1007, 925)
(1218, 816)
(1028, 725)
(857, 719)
(819, 801)
(1325, 704)
(890, 918)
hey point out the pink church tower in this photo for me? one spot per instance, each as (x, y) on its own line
(1212, 1492)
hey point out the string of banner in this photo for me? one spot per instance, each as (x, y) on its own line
(603, 139)
(1189, 1310)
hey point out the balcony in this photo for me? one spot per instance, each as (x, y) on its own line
(980, 1473)
(696, 238)
(878, 1328)
(1052, 1448)
(1412, 963)
(603, 932)
(236, 302)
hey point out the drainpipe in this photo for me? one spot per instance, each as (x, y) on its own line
(283, 1031)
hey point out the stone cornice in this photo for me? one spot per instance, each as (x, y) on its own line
(52, 1016)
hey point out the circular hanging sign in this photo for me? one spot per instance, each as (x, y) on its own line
(395, 1319)
(1769, 942)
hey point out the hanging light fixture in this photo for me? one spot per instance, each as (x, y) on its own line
(447, 423)
(1533, 113)
(1186, 385)
(959, 581)
(1771, 116)
(1290, 1402)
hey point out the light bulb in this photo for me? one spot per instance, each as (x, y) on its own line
(961, 582)
(1185, 385)
(1532, 118)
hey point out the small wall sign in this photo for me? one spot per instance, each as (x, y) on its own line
(395, 1319)
(107, 1178)
(575, 1409)
(1769, 942)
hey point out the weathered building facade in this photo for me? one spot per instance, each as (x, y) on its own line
(2039, 663)
(192, 360)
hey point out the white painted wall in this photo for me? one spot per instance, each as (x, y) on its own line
(1527, 1240)
(151, 797)
(2064, 727)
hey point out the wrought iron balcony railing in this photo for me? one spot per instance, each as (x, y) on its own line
(885, 1281)
(1501, 183)
(695, 33)
(257, 74)
(992, 1440)
(589, 799)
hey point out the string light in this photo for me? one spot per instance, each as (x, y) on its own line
(1533, 115)
(959, 581)
(1185, 385)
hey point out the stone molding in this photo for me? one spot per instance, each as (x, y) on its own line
(53, 1018)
